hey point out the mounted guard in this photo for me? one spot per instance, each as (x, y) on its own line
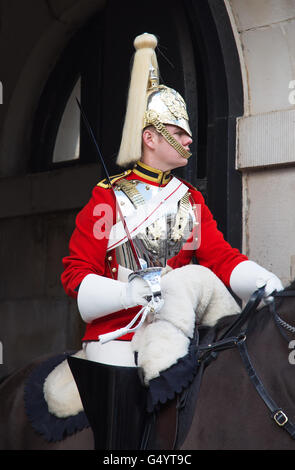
(137, 227)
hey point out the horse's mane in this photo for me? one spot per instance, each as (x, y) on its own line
(291, 286)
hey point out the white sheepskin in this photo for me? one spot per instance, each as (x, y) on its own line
(60, 390)
(192, 294)
(157, 342)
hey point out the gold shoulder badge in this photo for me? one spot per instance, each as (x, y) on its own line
(105, 184)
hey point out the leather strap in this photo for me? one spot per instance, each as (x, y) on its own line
(285, 293)
(250, 307)
(228, 341)
(277, 413)
(161, 427)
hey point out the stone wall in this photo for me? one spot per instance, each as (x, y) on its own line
(265, 35)
(36, 316)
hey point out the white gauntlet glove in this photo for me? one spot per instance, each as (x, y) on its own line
(136, 292)
(99, 296)
(247, 276)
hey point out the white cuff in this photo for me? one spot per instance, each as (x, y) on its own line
(248, 275)
(99, 296)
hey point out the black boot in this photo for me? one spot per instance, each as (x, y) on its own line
(114, 401)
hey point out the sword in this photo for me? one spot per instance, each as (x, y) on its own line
(152, 276)
(90, 131)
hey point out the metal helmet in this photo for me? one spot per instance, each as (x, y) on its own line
(150, 103)
(168, 106)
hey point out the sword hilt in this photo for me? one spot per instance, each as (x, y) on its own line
(152, 276)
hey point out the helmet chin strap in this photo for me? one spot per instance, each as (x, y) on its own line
(161, 128)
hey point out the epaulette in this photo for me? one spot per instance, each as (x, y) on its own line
(105, 184)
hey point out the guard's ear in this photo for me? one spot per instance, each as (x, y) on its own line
(149, 137)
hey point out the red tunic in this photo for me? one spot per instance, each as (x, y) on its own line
(88, 253)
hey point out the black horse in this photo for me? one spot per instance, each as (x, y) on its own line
(247, 396)
(231, 410)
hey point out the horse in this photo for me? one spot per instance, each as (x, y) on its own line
(227, 411)
(231, 412)
(16, 429)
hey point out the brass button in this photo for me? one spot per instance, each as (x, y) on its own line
(114, 270)
(110, 258)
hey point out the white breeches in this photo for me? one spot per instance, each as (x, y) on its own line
(118, 353)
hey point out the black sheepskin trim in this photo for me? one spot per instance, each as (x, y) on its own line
(51, 427)
(175, 379)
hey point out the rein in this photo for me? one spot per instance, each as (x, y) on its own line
(235, 337)
(282, 325)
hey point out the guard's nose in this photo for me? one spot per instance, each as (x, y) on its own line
(187, 140)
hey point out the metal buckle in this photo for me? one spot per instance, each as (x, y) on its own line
(279, 416)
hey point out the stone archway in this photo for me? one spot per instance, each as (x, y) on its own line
(38, 39)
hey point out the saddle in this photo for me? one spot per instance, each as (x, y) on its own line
(167, 423)
(125, 404)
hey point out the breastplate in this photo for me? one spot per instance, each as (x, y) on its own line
(160, 240)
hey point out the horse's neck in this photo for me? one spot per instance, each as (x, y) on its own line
(285, 308)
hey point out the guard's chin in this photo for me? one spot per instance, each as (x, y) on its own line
(182, 161)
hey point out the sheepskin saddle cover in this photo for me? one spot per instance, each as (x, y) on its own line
(61, 392)
(51, 399)
(193, 295)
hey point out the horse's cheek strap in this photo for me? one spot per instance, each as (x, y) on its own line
(278, 415)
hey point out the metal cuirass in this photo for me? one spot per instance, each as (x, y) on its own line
(162, 239)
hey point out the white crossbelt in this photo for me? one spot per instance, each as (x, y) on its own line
(149, 213)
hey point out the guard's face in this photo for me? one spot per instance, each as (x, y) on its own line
(166, 155)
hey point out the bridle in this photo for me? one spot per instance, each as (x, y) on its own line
(282, 325)
(235, 336)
